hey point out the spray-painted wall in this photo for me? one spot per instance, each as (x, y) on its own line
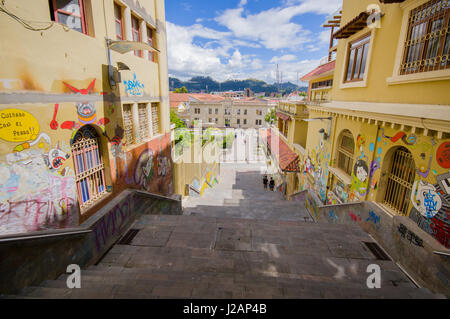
(50, 88)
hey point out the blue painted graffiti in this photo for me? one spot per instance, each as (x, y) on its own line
(374, 218)
(333, 217)
(134, 87)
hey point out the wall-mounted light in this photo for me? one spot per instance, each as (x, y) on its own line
(322, 131)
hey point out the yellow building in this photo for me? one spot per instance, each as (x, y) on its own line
(379, 115)
(82, 115)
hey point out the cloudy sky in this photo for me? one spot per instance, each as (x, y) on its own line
(239, 39)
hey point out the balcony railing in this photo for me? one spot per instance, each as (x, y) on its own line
(316, 102)
(294, 110)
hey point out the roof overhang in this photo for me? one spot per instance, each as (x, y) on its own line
(287, 159)
(127, 46)
(356, 24)
(283, 116)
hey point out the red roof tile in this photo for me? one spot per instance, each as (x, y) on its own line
(321, 69)
(287, 159)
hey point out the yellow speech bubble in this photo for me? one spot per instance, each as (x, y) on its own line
(18, 125)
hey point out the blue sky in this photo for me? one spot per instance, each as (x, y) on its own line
(239, 39)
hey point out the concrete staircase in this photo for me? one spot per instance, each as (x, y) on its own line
(206, 257)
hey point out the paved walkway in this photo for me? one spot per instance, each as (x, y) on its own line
(203, 257)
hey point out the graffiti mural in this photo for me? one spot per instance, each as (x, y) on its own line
(431, 207)
(147, 167)
(34, 197)
(443, 155)
(134, 87)
(360, 177)
(18, 126)
(55, 158)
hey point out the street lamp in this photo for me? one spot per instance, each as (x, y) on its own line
(326, 135)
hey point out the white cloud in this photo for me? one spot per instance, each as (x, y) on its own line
(242, 3)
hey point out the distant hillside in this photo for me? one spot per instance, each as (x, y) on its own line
(207, 84)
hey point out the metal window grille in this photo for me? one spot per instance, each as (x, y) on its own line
(128, 123)
(345, 152)
(143, 122)
(400, 181)
(89, 167)
(427, 47)
(155, 118)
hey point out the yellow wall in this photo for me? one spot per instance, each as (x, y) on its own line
(38, 67)
(381, 66)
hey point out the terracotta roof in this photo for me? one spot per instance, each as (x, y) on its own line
(282, 116)
(357, 23)
(321, 69)
(177, 98)
(287, 159)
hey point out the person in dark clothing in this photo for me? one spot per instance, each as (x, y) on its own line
(272, 184)
(265, 181)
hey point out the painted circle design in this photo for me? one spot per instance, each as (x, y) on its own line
(443, 155)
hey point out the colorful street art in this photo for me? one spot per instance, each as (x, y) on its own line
(443, 155)
(34, 197)
(134, 87)
(18, 126)
(431, 207)
(360, 180)
(55, 158)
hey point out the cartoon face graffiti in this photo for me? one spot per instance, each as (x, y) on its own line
(361, 170)
(87, 113)
(144, 168)
(163, 166)
(55, 158)
(425, 199)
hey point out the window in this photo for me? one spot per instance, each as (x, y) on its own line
(357, 58)
(136, 33)
(70, 13)
(227, 112)
(245, 121)
(209, 111)
(151, 55)
(258, 122)
(128, 123)
(217, 120)
(322, 84)
(118, 21)
(238, 112)
(217, 111)
(400, 181)
(155, 118)
(197, 111)
(143, 122)
(238, 121)
(210, 120)
(245, 112)
(258, 112)
(427, 47)
(345, 151)
(89, 168)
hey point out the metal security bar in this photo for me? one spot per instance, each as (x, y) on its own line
(143, 122)
(400, 181)
(128, 123)
(89, 169)
(155, 118)
(427, 47)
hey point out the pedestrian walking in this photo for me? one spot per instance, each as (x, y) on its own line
(265, 181)
(272, 184)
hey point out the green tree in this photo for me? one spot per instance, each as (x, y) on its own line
(270, 116)
(181, 90)
(174, 119)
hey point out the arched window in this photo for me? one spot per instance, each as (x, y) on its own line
(400, 180)
(89, 168)
(345, 150)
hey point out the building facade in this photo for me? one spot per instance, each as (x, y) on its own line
(378, 123)
(217, 111)
(81, 118)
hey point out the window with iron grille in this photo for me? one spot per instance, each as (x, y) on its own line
(345, 150)
(143, 122)
(128, 123)
(155, 118)
(135, 30)
(118, 21)
(89, 167)
(427, 47)
(400, 181)
(70, 13)
(357, 59)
